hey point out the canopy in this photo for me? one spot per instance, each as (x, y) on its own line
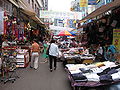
(73, 32)
(64, 33)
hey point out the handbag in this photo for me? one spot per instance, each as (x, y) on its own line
(47, 51)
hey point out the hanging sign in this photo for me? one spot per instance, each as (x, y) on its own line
(83, 3)
(116, 38)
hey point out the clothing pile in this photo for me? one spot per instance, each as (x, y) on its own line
(101, 72)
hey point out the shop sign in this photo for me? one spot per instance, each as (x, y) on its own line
(60, 15)
(91, 2)
(102, 2)
(83, 3)
(116, 38)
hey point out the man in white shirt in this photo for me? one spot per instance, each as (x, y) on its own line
(53, 54)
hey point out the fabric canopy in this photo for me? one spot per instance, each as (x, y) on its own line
(73, 33)
(64, 33)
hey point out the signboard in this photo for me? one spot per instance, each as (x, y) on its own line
(116, 38)
(83, 3)
(60, 15)
(1, 22)
(91, 2)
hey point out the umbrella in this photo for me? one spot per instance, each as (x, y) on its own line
(73, 32)
(64, 33)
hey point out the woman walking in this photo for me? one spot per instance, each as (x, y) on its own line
(44, 55)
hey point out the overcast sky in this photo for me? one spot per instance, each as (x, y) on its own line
(59, 5)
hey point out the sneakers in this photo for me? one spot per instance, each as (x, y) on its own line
(54, 68)
(50, 70)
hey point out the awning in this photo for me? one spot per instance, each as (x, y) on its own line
(35, 18)
(25, 9)
(103, 9)
(14, 2)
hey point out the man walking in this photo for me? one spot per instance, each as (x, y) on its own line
(35, 50)
(53, 53)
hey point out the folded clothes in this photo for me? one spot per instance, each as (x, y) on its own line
(85, 70)
(105, 78)
(115, 76)
(79, 76)
(93, 77)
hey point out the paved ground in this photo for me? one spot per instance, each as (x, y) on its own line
(40, 79)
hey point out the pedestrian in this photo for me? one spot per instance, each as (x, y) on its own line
(35, 50)
(44, 55)
(53, 54)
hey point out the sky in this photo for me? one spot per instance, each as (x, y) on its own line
(59, 5)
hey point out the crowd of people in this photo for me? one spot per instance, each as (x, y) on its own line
(102, 53)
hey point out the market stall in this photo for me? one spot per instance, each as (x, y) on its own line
(93, 75)
(76, 56)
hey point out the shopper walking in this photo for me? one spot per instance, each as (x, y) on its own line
(35, 50)
(44, 55)
(53, 54)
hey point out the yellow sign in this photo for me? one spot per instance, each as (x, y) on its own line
(83, 3)
(116, 38)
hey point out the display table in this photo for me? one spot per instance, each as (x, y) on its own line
(87, 58)
(93, 75)
(22, 58)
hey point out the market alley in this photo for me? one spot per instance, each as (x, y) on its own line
(40, 79)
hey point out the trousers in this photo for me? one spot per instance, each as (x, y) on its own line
(34, 60)
(51, 59)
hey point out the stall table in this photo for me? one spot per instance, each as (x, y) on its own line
(93, 75)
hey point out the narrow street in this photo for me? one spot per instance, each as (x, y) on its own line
(40, 79)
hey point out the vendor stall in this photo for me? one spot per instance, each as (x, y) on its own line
(76, 56)
(23, 57)
(93, 75)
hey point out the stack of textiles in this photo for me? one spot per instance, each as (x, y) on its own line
(102, 72)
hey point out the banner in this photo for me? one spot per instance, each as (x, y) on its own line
(60, 15)
(91, 2)
(116, 38)
(83, 3)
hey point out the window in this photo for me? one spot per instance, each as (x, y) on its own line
(33, 4)
(38, 13)
(35, 8)
(29, 1)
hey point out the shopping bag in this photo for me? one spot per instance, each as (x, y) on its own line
(47, 51)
